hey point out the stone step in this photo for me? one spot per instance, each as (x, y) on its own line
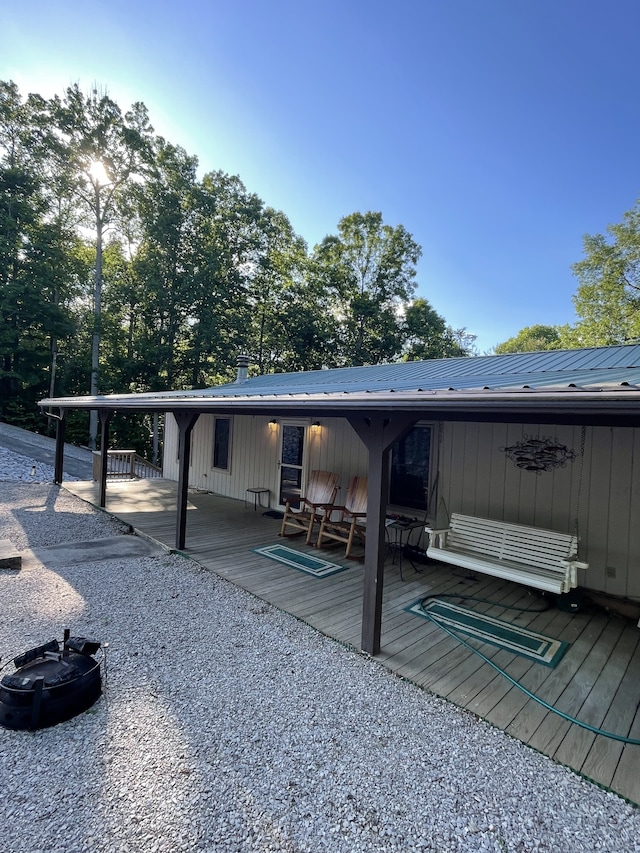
(9, 557)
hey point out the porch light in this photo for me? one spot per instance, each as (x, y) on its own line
(316, 426)
(273, 424)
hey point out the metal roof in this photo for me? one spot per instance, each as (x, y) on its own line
(463, 372)
(448, 381)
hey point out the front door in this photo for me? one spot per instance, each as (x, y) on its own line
(291, 463)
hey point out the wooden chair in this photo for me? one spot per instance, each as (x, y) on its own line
(320, 495)
(349, 527)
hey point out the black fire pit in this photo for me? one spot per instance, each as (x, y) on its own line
(51, 683)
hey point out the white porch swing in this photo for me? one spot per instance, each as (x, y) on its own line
(544, 559)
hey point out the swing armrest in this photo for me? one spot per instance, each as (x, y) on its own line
(437, 536)
(574, 561)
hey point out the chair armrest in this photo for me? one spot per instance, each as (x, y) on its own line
(338, 508)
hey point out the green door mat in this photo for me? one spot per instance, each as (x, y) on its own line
(505, 635)
(315, 566)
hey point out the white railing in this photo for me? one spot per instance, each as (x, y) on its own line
(125, 465)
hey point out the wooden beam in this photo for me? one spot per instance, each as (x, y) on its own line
(186, 421)
(378, 433)
(105, 416)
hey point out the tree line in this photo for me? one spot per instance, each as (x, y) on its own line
(607, 299)
(122, 270)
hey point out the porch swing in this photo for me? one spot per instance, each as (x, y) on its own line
(543, 559)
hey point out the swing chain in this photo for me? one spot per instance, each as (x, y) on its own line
(583, 434)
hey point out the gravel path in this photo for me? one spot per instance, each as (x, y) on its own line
(227, 725)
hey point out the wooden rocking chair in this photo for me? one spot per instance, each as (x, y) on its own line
(347, 528)
(321, 493)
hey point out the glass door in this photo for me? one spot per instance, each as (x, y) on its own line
(290, 463)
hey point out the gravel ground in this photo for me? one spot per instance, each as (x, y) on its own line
(17, 468)
(227, 725)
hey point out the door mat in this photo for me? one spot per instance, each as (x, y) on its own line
(505, 635)
(315, 566)
(273, 513)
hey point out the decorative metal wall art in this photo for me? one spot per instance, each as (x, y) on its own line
(539, 453)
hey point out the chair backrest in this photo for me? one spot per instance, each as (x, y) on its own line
(322, 487)
(355, 502)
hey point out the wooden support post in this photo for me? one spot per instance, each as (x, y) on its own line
(105, 416)
(378, 432)
(186, 421)
(61, 427)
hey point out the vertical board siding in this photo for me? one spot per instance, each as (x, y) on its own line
(337, 448)
(597, 507)
(619, 528)
(600, 491)
(497, 437)
(254, 454)
(561, 494)
(633, 589)
(474, 476)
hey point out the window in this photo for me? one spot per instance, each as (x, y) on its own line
(409, 475)
(221, 443)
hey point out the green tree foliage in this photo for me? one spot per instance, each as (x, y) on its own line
(162, 277)
(368, 270)
(292, 329)
(532, 339)
(231, 241)
(427, 335)
(102, 153)
(607, 300)
(36, 255)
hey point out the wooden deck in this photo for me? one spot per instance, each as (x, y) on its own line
(597, 681)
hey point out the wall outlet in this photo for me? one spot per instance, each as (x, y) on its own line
(611, 571)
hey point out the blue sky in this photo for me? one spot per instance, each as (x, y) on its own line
(498, 132)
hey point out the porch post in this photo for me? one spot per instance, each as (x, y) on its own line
(61, 428)
(105, 416)
(186, 421)
(378, 433)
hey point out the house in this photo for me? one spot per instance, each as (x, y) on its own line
(548, 439)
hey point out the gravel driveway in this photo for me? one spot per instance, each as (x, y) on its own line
(227, 725)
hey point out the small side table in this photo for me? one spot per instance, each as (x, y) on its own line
(396, 542)
(257, 492)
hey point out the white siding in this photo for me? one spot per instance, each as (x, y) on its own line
(254, 454)
(475, 476)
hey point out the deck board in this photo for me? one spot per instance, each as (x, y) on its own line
(603, 758)
(598, 679)
(553, 728)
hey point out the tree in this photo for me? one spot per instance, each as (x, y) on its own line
(291, 327)
(427, 334)
(36, 262)
(230, 245)
(118, 263)
(105, 152)
(368, 269)
(164, 264)
(532, 339)
(607, 300)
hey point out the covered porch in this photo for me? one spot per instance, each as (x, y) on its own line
(597, 681)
